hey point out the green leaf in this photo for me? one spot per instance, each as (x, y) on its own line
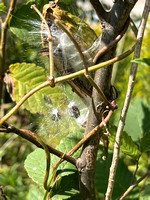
(26, 24)
(34, 193)
(65, 145)
(66, 188)
(143, 116)
(137, 121)
(142, 61)
(132, 125)
(122, 181)
(28, 76)
(52, 103)
(145, 142)
(127, 144)
(129, 147)
(35, 165)
(2, 7)
(54, 131)
(145, 195)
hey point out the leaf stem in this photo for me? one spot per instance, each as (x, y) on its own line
(38, 139)
(133, 26)
(100, 92)
(50, 44)
(137, 166)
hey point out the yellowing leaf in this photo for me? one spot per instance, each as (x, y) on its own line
(28, 76)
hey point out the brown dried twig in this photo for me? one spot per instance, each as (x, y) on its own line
(132, 77)
(146, 175)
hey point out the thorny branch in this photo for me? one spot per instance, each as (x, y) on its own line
(127, 101)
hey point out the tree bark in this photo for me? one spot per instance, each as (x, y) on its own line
(112, 23)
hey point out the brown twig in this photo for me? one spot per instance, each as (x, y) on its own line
(2, 195)
(90, 134)
(133, 26)
(57, 1)
(50, 46)
(132, 77)
(146, 175)
(102, 95)
(101, 13)
(4, 28)
(137, 166)
(30, 138)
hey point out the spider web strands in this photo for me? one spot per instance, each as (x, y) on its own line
(95, 67)
(12, 129)
(64, 78)
(88, 136)
(87, 75)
